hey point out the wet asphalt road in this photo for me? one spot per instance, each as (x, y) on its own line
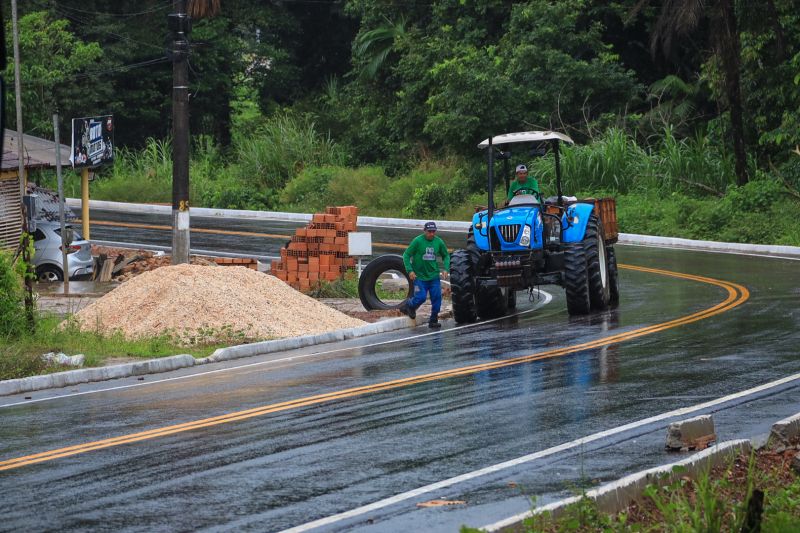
(283, 469)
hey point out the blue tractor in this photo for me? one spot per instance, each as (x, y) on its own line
(527, 243)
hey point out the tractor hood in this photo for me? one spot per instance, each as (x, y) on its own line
(508, 226)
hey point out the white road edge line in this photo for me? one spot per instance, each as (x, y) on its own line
(547, 298)
(533, 456)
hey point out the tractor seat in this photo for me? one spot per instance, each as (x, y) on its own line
(523, 199)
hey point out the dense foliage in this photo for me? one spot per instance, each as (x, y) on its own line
(300, 104)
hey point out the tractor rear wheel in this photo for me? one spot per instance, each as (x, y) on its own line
(462, 286)
(576, 279)
(613, 277)
(597, 262)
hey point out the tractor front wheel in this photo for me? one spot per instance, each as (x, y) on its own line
(576, 279)
(511, 298)
(491, 301)
(462, 286)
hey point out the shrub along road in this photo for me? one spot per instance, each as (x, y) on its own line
(276, 445)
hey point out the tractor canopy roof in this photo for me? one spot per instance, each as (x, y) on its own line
(526, 136)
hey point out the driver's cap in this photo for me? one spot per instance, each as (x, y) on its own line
(430, 226)
(522, 168)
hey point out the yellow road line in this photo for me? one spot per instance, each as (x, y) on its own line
(736, 295)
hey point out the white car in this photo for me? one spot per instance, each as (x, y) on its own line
(48, 258)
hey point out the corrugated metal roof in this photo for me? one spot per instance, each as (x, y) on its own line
(39, 153)
(47, 204)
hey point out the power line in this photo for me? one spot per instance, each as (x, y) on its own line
(123, 37)
(118, 15)
(118, 68)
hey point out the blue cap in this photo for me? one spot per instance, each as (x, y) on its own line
(430, 226)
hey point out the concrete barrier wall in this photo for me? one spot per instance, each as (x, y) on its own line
(446, 225)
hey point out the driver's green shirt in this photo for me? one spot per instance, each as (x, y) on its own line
(531, 186)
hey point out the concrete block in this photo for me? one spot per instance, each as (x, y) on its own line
(783, 431)
(692, 434)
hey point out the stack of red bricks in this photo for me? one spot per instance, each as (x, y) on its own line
(237, 261)
(318, 252)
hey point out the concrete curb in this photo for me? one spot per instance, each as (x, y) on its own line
(615, 496)
(446, 225)
(735, 247)
(784, 431)
(86, 375)
(175, 362)
(293, 343)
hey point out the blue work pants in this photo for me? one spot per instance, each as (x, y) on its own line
(421, 290)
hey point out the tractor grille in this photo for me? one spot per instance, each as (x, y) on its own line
(509, 232)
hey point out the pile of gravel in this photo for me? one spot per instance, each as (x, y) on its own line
(203, 304)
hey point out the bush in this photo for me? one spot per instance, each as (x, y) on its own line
(315, 188)
(12, 300)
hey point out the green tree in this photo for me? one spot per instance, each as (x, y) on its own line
(678, 19)
(51, 59)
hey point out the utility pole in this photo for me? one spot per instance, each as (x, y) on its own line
(66, 240)
(25, 243)
(180, 26)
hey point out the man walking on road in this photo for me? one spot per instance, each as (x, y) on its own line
(423, 269)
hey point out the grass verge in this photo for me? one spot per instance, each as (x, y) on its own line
(760, 492)
(21, 356)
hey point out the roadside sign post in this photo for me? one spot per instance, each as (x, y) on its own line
(92, 146)
(85, 203)
(359, 244)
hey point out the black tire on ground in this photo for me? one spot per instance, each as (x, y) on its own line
(490, 302)
(613, 277)
(369, 277)
(511, 298)
(462, 286)
(49, 273)
(576, 279)
(597, 263)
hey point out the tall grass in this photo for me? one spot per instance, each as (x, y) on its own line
(614, 162)
(137, 176)
(281, 149)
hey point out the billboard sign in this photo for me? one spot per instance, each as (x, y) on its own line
(92, 141)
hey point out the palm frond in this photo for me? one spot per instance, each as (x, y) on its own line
(199, 9)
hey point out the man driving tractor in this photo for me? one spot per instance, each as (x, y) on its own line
(523, 185)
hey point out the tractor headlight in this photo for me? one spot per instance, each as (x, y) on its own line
(525, 240)
(553, 230)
